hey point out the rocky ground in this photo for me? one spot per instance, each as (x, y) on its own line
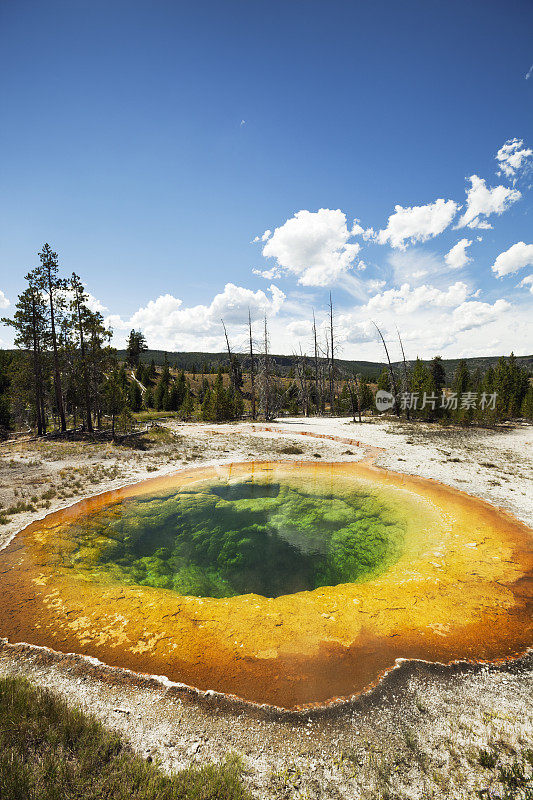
(427, 732)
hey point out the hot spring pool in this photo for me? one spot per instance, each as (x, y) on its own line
(287, 584)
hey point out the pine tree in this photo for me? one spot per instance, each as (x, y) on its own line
(527, 404)
(438, 374)
(151, 375)
(423, 387)
(220, 406)
(367, 398)
(136, 346)
(135, 400)
(53, 286)
(114, 397)
(461, 384)
(187, 407)
(173, 399)
(461, 378)
(208, 413)
(32, 335)
(5, 382)
(149, 398)
(80, 313)
(181, 388)
(384, 380)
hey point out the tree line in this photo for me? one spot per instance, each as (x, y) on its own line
(67, 374)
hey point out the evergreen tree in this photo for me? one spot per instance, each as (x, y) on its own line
(114, 397)
(367, 397)
(161, 396)
(187, 407)
(220, 405)
(5, 382)
(48, 281)
(461, 384)
(423, 387)
(149, 398)
(136, 346)
(173, 398)
(123, 378)
(80, 315)
(151, 375)
(527, 404)
(438, 374)
(135, 400)
(32, 335)
(384, 380)
(208, 412)
(461, 378)
(181, 388)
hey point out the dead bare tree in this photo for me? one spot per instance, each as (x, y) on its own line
(318, 393)
(332, 359)
(234, 371)
(391, 371)
(354, 389)
(252, 366)
(405, 372)
(303, 389)
(265, 376)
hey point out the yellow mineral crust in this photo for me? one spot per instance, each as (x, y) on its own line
(461, 589)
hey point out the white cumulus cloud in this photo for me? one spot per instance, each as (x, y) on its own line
(474, 313)
(168, 323)
(4, 302)
(417, 223)
(314, 246)
(269, 274)
(457, 256)
(482, 202)
(517, 256)
(527, 281)
(406, 299)
(512, 157)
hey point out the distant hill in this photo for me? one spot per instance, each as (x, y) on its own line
(368, 369)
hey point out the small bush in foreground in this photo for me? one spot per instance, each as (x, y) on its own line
(49, 751)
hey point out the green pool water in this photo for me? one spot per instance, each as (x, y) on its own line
(230, 538)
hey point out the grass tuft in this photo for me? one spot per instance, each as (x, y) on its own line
(49, 751)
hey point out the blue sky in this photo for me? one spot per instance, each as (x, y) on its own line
(151, 142)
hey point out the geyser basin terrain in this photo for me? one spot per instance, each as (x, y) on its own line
(289, 584)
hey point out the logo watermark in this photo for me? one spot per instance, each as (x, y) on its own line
(384, 400)
(450, 401)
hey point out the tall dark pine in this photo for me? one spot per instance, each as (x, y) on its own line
(50, 283)
(30, 324)
(438, 373)
(80, 310)
(136, 346)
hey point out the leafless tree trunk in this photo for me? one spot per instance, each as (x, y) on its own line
(318, 393)
(391, 371)
(300, 363)
(265, 376)
(230, 358)
(252, 366)
(405, 373)
(332, 359)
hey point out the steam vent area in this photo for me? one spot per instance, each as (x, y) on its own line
(283, 584)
